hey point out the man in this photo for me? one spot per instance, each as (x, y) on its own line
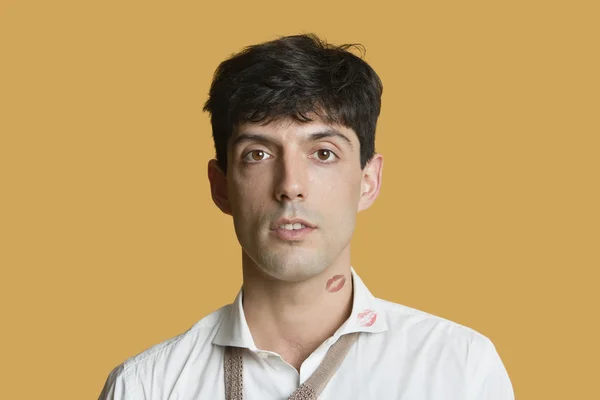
(294, 129)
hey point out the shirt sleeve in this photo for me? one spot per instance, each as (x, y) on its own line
(115, 387)
(488, 378)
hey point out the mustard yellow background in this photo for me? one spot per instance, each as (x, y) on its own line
(488, 214)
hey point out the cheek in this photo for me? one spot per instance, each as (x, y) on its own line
(338, 192)
(248, 197)
(337, 200)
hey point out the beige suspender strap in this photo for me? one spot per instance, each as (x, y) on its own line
(309, 390)
(234, 377)
(330, 364)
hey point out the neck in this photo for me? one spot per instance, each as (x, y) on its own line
(294, 318)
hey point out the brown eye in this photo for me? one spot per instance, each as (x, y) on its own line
(257, 155)
(325, 155)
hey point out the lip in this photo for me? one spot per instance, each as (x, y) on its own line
(293, 235)
(283, 221)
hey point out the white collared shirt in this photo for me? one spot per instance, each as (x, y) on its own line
(401, 354)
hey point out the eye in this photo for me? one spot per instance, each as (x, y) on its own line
(325, 155)
(256, 155)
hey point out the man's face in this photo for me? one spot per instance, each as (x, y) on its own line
(290, 170)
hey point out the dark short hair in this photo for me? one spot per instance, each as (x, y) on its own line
(295, 76)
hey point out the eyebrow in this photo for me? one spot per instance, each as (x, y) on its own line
(313, 137)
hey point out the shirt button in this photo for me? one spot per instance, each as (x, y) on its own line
(263, 355)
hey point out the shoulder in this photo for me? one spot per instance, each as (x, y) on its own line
(199, 334)
(417, 323)
(439, 342)
(170, 354)
(436, 338)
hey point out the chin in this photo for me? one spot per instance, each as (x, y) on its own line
(290, 271)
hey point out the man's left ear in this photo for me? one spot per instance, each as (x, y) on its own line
(371, 182)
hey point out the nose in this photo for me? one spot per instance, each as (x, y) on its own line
(291, 179)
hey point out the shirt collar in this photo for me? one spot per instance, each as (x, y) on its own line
(367, 316)
(233, 330)
(367, 313)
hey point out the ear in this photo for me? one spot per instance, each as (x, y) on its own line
(371, 182)
(218, 186)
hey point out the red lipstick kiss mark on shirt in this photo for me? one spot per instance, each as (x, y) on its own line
(336, 283)
(367, 318)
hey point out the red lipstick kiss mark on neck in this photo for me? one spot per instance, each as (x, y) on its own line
(336, 283)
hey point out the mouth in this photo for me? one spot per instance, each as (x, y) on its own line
(291, 223)
(293, 232)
